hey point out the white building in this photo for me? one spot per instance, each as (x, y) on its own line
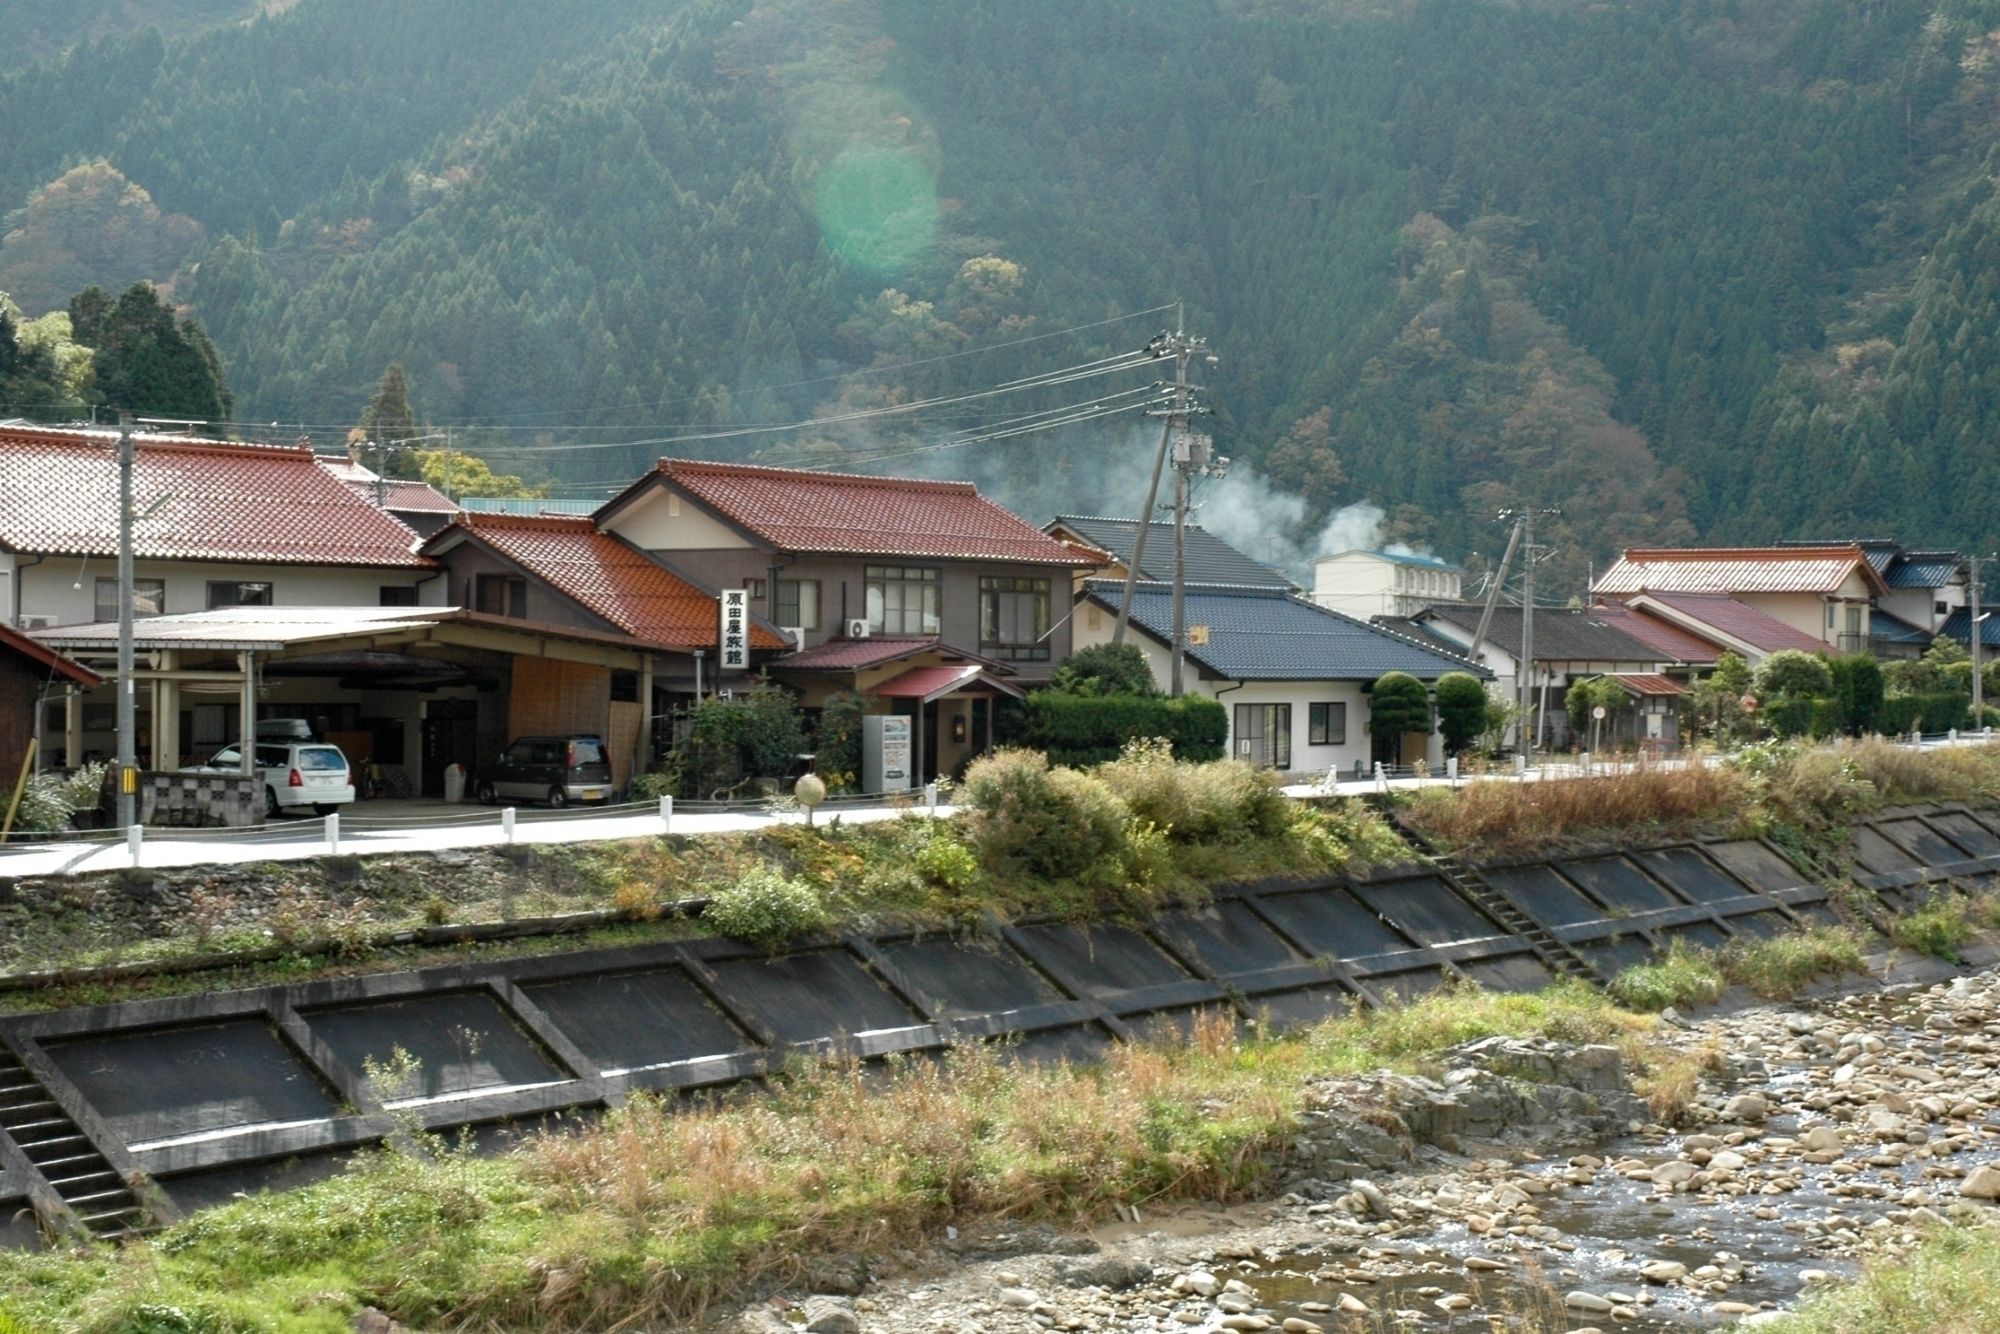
(1382, 583)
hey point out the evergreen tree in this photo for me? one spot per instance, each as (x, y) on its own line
(147, 362)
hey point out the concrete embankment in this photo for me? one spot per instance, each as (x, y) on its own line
(189, 1099)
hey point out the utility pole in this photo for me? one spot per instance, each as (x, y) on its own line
(1192, 453)
(1525, 518)
(1160, 344)
(1976, 636)
(128, 741)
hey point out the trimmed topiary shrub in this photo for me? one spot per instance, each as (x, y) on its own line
(1027, 817)
(1461, 707)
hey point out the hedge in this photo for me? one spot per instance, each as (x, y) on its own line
(1080, 730)
(1940, 711)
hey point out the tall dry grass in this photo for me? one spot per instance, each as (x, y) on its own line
(1503, 818)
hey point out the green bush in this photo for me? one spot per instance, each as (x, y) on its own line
(49, 799)
(1461, 706)
(1679, 977)
(1937, 929)
(837, 744)
(1398, 704)
(1082, 730)
(1857, 686)
(1789, 718)
(1053, 823)
(1217, 801)
(1793, 674)
(1106, 669)
(1933, 711)
(764, 905)
(663, 782)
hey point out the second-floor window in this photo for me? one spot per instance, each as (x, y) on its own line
(237, 593)
(501, 595)
(1013, 618)
(798, 603)
(902, 600)
(149, 598)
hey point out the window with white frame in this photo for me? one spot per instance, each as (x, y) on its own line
(902, 599)
(149, 598)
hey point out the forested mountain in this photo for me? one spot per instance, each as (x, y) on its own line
(1714, 269)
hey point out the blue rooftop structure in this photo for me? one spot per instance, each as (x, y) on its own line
(1418, 559)
(1958, 626)
(1262, 634)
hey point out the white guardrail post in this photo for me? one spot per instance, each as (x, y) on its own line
(507, 823)
(135, 837)
(1451, 769)
(931, 796)
(666, 815)
(333, 834)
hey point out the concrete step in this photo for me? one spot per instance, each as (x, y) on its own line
(65, 1184)
(97, 1199)
(112, 1221)
(70, 1163)
(61, 1144)
(35, 1132)
(14, 1114)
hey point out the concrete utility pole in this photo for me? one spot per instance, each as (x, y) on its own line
(1525, 519)
(1160, 344)
(1976, 635)
(128, 743)
(1191, 453)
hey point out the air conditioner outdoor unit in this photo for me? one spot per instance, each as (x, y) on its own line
(37, 621)
(857, 629)
(795, 633)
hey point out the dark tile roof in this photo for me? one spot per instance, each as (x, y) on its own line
(1959, 626)
(1674, 642)
(1893, 629)
(1925, 569)
(1561, 635)
(1259, 634)
(1423, 634)
(1208, 560)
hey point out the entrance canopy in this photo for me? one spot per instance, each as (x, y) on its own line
(925, 684)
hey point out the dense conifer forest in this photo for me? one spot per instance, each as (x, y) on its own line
(1699, 269)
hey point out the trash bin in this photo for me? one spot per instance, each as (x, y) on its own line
(454, 783)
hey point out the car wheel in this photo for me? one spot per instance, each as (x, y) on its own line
(558, 797)
(325, 807)
(270, 803)
(487, 796)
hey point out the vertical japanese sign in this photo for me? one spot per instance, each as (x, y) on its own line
(735, 632)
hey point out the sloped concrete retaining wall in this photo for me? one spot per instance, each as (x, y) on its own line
(211, 1094)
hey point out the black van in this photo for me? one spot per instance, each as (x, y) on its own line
(555, 769)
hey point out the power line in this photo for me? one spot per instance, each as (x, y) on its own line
(497, 419)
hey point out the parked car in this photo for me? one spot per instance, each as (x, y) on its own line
(554, 769)
(297, 775)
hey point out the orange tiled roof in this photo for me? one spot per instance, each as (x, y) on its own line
(608, 576)
(796, 510)
(201, 500)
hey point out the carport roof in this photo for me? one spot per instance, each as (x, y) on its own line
(273, 629)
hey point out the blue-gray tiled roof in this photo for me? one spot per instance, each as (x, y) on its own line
(1208, 559)
(1958, 626)
(1924, 569)
(1257, 634)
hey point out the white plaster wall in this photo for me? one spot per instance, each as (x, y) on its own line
(66, 588)
(663, 521)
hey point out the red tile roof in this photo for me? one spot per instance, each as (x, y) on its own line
(796, 510)
(1667, 639)
(1737, 570)
(858, 655)
(607, 575)
(1736, 620)
(929, 683)
(407, 497)
(47, 657)
(1644, 684)
(202, 500)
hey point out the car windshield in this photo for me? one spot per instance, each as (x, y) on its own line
(321, 758)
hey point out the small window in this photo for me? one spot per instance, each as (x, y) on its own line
(755, 588)
(1830, 622)
(1941, 608)
(798, 603)
(1264, 735)
(1326, 724)
(225, 593)
(625, 687)
(398, 595)
(501, 595)
(149, 598)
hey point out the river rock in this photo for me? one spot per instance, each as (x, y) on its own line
(1663, 1271)
(1821, 1139)
(1670, 1174)
(1199, 1282)
(1587, 1301)
(1747, 1107)
(830, 1315)
(1982, 1184)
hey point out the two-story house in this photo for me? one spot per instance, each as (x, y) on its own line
(1825, 593)
(924, 596)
